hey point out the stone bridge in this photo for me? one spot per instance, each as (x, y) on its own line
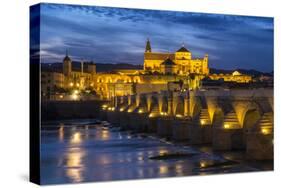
(227, 119)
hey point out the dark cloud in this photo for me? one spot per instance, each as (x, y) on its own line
(114, 35)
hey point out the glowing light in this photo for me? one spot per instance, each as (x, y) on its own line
(71, 84)
(179, 116)
(76, 138)
(130, 110)
(163, 151)
(121, 109)
(61, 132)
(105, 134)
(203, 164)
(163, 113)
(151, 115)
(74, 96)
(179, 168)
(202, 121)
(163, 169)
(76, 91)
(77, 84)
(75, 164)
(140, 111)
(61, 96)
(111, 108)
(265, 130)
(226, 126)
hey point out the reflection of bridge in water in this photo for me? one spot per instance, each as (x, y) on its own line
(227, 119)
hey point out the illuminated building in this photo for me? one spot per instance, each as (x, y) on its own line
(180, 62)
(234, 77)
(160, 72)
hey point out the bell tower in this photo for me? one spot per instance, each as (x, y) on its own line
(148, 46)
(67, 65)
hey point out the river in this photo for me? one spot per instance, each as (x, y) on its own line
(76, 151)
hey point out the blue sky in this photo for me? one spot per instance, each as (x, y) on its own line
(116, 35)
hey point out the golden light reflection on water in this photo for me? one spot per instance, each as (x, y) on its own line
(203, 164)
(105, 134)
(76, 138)
(179, 169)
(163, 151)
(163, 169)
(61, 132)
(104, 160)
(74, 164)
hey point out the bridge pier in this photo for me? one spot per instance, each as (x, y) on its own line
(113, 117)
(152, 125)
(200, 134)
(181, 130)
(164, 126)
(124, 120)
(227, 139)
(138, 121)
(224, 119)
(103, 115)
(259, 146)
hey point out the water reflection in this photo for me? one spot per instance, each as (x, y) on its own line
(74, 164)
(163, 169)
(76, 138)
(179, 169)
(163, 151)
(98, 153)
(105, 134)
(203, 164)
(61, 132)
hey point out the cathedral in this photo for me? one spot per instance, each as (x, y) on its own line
(180, 62)
(160, 70)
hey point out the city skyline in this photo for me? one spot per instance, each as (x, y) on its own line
(230, 41)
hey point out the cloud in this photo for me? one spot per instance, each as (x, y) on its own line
(111, 35)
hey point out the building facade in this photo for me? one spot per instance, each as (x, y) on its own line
(159, 71)
(182, 62)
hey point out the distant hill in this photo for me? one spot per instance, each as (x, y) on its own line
(76, 66)
(101, 67)
(111, 67)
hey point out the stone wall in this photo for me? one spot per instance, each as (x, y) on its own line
(53, 110)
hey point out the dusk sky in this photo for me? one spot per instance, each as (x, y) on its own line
(115, 35)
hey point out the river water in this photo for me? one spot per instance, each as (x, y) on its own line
(76, 151)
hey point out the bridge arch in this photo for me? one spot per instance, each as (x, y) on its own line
(179, 107)
(154, 105)
(218, 117)
(136, 79)
(252, 113)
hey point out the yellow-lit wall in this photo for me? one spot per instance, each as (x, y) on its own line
(230, 77)
(184, 64)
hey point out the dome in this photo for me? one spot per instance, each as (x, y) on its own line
(183, 49)
(168, 62)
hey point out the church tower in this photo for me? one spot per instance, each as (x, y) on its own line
(67, 65)
(183, 53)
(148, 46)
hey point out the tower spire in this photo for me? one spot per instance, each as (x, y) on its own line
(148, 46)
